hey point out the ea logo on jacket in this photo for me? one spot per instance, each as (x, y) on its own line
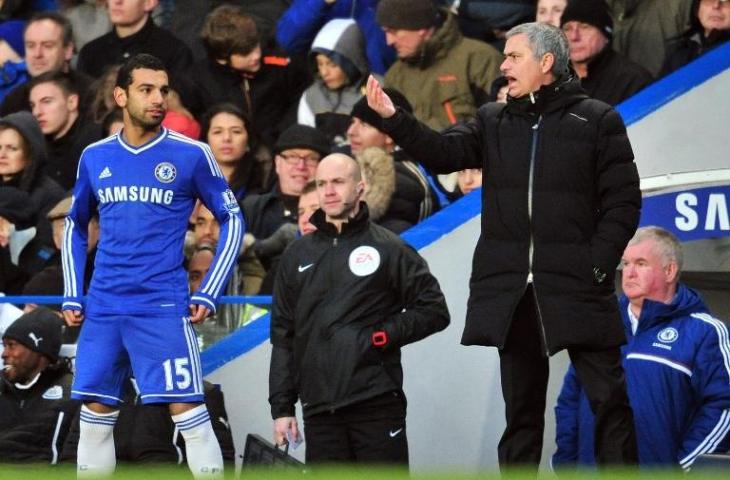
(364, 260)
(668, 335)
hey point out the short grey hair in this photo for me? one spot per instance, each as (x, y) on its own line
(544, 38)
(667, 244)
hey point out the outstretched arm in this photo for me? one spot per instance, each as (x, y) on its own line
(456, 148)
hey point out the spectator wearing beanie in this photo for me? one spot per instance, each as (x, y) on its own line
(35, 405)
(271, 218)
(444, 75)
(412, 197)
(605, 74)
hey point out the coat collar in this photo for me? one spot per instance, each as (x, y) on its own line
(356, 224)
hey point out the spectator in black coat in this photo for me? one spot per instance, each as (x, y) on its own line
(35, 392)
(22, 155)
(604, 73)
(240, 69)
(413, 198)
(54, 100)
(710, 28)
(271, 218)
(134, 32)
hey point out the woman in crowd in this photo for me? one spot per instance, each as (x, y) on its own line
(225, 129)
(22, 154)
(550, 11)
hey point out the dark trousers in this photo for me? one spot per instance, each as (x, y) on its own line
(372, 431)
(524, 368)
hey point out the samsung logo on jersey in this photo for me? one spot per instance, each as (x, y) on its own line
(135, 194)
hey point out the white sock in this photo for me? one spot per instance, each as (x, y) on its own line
(204, 454)
(96, 455)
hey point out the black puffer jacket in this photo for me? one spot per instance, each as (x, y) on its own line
(332, 292)
(583, 208)
(34, 422)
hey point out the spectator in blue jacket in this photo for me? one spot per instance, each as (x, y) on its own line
(677, 364)
(301, 22)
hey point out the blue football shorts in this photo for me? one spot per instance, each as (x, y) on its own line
(161, 352)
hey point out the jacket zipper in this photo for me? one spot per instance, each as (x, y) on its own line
(530, 187)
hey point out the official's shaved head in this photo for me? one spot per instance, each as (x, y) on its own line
(341, 161)
(339, 187)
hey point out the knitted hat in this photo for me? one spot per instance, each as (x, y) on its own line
(407, 14)
(592, 12)
(39, 330)
(302, 136)
(12, 32)
(362, 111)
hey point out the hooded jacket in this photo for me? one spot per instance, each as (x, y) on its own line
(299, 25)
(332, 291)
(560, 201)
(341, 41)
(448, 79)
(398, 193)
(44, 192)
(677, 368)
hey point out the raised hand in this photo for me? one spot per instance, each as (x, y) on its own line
(378, 100)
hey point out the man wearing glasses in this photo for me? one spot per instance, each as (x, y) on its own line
(272, 216)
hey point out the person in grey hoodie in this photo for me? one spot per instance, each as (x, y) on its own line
(338, 57)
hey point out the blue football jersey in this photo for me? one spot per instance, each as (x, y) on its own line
(144, 197)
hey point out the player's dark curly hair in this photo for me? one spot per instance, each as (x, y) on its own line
(141, 60)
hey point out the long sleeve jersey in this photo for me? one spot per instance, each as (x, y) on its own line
(144, 197)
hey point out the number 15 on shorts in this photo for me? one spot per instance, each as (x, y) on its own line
(181, 375)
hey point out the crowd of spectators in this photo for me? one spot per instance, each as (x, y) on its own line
(274, 86)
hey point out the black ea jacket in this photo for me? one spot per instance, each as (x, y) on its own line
(332, 291)
(560, 198)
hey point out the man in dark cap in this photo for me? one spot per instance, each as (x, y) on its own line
(272, 217)
(604, 73)
(442, 74)
(35, 405)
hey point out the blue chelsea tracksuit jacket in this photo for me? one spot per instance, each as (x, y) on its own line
(677, 368)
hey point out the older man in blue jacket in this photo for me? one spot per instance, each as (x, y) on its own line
(677, 364)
